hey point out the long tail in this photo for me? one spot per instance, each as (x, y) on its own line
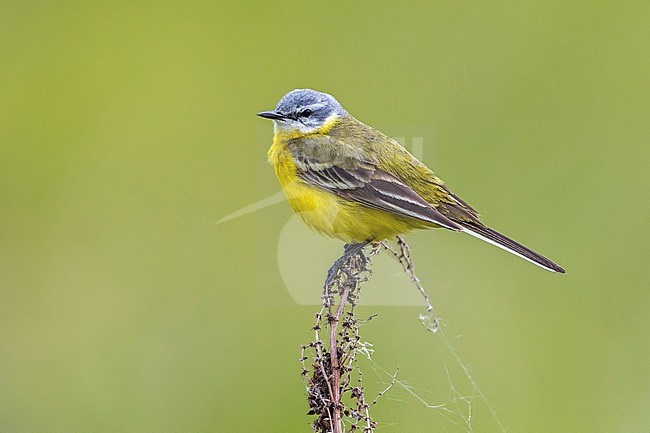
(504, 242)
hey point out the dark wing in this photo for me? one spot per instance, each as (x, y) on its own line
(453, 206)
(371, 187)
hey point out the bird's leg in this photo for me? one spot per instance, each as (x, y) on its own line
(349, 251)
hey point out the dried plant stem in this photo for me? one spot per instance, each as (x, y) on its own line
(331, 396)
(336, 368)
(404, 258)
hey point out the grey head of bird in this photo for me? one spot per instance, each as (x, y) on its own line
(304, 111)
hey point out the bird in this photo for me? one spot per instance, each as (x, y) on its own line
(350, 181)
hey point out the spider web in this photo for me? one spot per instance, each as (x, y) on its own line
(454, 405)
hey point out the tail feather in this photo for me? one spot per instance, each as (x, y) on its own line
(504, 242)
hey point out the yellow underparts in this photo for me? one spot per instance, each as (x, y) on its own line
(328, 213)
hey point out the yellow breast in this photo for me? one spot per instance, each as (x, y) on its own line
(317, 208)
(328, 213)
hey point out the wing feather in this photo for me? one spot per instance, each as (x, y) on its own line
(372, 187)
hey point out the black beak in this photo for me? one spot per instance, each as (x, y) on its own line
(273, 115)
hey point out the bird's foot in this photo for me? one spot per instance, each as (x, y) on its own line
(350, 251)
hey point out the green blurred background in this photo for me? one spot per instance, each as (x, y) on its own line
(128, 129)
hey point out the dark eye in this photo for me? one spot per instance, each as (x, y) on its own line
(305, 113)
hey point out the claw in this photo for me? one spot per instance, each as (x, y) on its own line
(349, 251)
